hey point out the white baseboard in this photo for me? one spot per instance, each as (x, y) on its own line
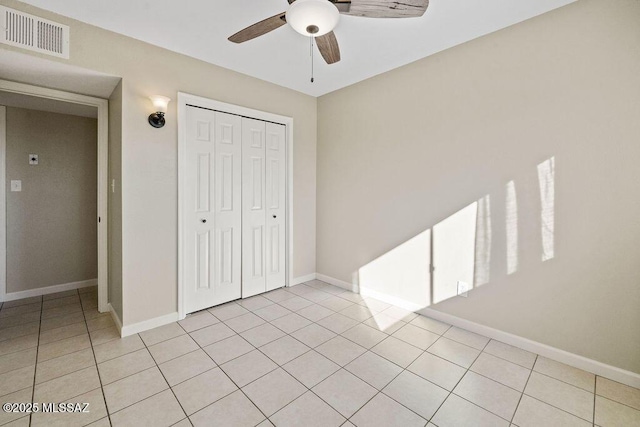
(398, 302)
(115, 318)
(626, 377)
(617, 374)
(337, 282)
(302, 279)
(148, 324)
(50, 290)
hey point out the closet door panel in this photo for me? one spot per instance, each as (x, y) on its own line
(275, 196)
(253, 207)
(213, 213)
(228, 207)
(199, 288)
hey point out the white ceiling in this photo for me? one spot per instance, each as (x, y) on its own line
(199, 28)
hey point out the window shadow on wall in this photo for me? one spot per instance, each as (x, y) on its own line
(455, 255)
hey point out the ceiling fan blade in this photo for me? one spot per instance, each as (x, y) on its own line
(328, 47)
(388, 8)
(259, 28)
(342, 5)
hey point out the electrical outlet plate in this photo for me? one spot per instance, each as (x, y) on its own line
(463, 289)
(16, 185)
(33, 159)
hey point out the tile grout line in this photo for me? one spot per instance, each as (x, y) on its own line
(469, 369)
(281, 366)
(35, 367)
(618, 402)
(96, 363)
(367, 350)
(165, 378)
(559, 409)
(57, 341)
(139, 401)
(58, 357)
(230, 379)
(268, 322)
(523, 389)
(522, 393)
(340, 367)
(531, 371)
(313, 349)
(547, 403)
(561, 381)
(24, 349)
(461, 378)
(18, 326)
(255, 348)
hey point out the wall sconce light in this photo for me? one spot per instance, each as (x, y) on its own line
(160, 104)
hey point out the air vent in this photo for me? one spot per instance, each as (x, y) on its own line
(33, 33)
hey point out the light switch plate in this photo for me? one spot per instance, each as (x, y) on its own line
(463, 288)
(33, 159)
(16, 185)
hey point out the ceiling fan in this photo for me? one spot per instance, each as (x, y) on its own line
(317, 19)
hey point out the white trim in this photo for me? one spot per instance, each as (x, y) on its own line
(103, 170)
(398, 302)
(3, 203)
(148, 324)
(50, 290)
(115, 318)
(183, 100)
(302, 279)
(626, 377)
(289, 209)
(365, 292)
(337, 282)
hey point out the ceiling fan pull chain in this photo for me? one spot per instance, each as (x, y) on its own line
(311, 52)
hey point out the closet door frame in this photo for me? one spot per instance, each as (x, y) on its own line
(184, 100)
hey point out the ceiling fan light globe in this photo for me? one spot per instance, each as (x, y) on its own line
(320, 15)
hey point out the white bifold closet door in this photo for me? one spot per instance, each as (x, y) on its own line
(235, 215)
(263, 206)
(213, 217)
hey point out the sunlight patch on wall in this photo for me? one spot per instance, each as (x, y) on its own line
(402, 272)
(454, 252)
(546, 179)
(426, 269)
(512, 228)
(483, 242)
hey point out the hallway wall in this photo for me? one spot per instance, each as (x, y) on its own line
(51, 223)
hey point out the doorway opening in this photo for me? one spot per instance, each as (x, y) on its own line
(53, 201)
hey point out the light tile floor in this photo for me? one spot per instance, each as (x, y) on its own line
(310, 355)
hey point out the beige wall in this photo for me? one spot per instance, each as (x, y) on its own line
(401, 152)
(149, 156)
(51, 228)
(115, 200)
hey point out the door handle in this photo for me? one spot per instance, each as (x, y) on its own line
(203, 220)
(274, 216)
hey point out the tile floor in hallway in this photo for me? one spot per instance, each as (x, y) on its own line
(310, 355)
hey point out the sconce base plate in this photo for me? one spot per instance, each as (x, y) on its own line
(156, 120)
